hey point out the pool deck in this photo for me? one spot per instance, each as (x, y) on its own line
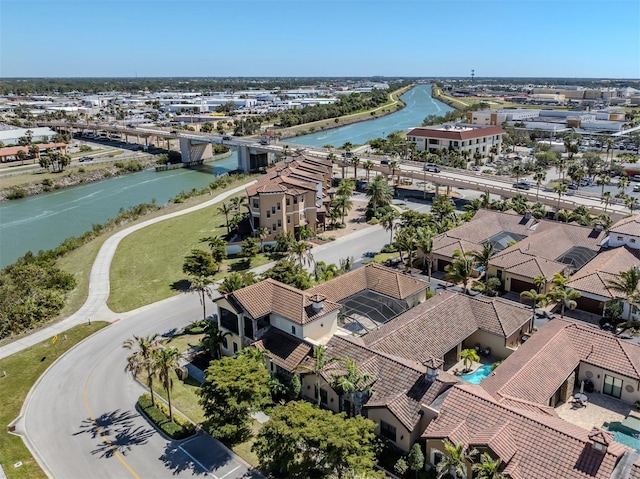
(599, 409)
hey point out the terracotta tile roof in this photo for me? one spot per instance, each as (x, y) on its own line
(284, 349)
(454, 134)
(374, 277)
(531, 445)
(13, 150)
(398, 385)
(519, 262)
(627, 226)
(270, 296)
(594, 277)
(635, 471)
(539, 367)
(433, 327)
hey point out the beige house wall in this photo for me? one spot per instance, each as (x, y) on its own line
(404, 437)
(485, 339)
(321, 328)
(274, 213)
(596, 375)
(308, 391)
(434, 445)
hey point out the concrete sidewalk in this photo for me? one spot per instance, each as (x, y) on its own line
(95, 307)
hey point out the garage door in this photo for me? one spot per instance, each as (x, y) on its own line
(518, 286)
(590, 305)
(442, 263)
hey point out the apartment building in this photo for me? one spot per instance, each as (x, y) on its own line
(471, 138)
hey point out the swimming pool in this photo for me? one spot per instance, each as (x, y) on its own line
(478, 375)
(624, 435)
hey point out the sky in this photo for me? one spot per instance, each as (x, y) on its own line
(305, 38)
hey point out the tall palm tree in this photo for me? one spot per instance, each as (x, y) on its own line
(218, 247)
(560, 190)
(34, 151)
(487, 468)
(627, 284)
(565, 296)
(603, 180)
(406, 241)
(536, 299)
(485, 199)
(606, 199)
(200, 286)
(379, 192)
(346, 187)
(301, 252)
(225, 209)
(424, 242)
(355, 161)
(460, 269)
(368, 166)
(540, 281)
(214, 339)
(315, 367)
(343, 203)
(21, 155)
(539, 176)
(141, 360)
(354, 384)
(166, 361)
(632, 203)
(469, 356)
(483, 257)
(454, 462)
(388, 222)
(392, 167)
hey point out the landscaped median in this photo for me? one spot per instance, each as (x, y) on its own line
(179, 428)
(22, 371)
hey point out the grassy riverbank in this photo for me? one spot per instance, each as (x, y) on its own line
(23, 370)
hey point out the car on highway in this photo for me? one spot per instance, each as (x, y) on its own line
(522, 185)
(431, 167)
(85, 158)
(636, 188)
(385, 162)
(226, 137)
(572, 186)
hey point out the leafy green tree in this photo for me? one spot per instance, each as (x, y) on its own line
(235, 281)
(141, 359)
(289, 272)
(284, 240)
(469, 356)
(454, 462)
(199, 263)
(166, 361)
(234, 388)
(487, 468)
(379, 192)
(312, 442)
(627, 284)
(218, 247)
(415, 459)
(58, 160)
(21, 155)
(460, 269)
(262, 232)
(442, 208)
(320, 361)
(250, 248)
(214, 338)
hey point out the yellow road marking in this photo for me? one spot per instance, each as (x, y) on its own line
(99, 429)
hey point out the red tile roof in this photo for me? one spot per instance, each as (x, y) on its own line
(284, 349)
(539, 367)
(13, 150)
(627, 226)
(531, 445)
(453, 134)
(435, 326)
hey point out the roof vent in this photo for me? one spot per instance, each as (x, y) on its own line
(600, 440)
(433, 365)
(317, 302)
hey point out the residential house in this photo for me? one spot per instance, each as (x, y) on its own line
(557, 358)
(444, 325)
(593, 280)
(625, 232)
(531, 442)
(470, 138)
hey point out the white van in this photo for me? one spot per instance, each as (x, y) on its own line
(431, 167)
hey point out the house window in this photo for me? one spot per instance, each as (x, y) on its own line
(293, 329)
(619, 238)
(302, 199)
(248, 328)
(612, 386)
(324, 397)
(273, 209)
(278, 206)
(228, 320)
(436, 457)
(268, 214)
(279, 223)
(388, 431)
(273, 226)
(288, 219)
(295, 200)
(256, 203)
(225, 343)
(288, 202)
(235, 347)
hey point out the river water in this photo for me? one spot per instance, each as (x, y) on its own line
(42, 222)
(419, 103)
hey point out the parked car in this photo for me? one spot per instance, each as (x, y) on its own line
(522, 185)
(586, 182)
(385, 162)
(636, 188)
(226, 138)
(475, 168)
(572, 186)
(635, 178)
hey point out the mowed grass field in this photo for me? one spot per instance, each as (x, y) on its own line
(23, 370)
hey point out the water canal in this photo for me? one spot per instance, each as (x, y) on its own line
(44, 221)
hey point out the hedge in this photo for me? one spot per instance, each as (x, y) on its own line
(179, 428)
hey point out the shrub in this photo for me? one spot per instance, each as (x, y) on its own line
(179, 428)
(82, 169)
(17, 193)
(108, 174)
(119, 164)
(389, 248)
(85, 148)
(47, 182)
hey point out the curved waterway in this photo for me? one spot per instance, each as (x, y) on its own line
(44, 221)
(420, 104)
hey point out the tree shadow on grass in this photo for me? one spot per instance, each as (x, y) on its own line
(181, 285)
(241, 265)
(117, 432)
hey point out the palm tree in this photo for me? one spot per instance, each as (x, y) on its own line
(21, 155)
(354, 384)
(603, 180)
(214, 339)
(355, 161)
(388, 222)
(539, 176)
(142, 358)
(343, 203)
(368, 166)
(460, 269)
(560, 280)
(627, 284)
(406, 241)
(469, 356)
(454, 462)
(483, 257)
(536, 299)
(225, 209)
(392, 167)
(237, 202)
(166, 361)
(379, 192)
(200, 285)
(631, 202)
(345, 187)
(301, 252)
(487, 468)
(218, 247)
(565, 296)
(560, 190)
(262, 232)
(34, 151)
(424, 242)
(320, 361)
(606, 199)
(485, 199)
(540, 281)
(235, 281)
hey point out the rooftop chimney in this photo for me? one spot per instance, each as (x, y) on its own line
(317, 302)
(600, 440)
(433, 368)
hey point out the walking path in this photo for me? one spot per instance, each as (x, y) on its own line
(95, 307)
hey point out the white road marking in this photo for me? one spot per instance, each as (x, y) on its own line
(206, 471)
(232, 470)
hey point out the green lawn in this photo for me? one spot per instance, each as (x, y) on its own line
(184, 397)
(23, 369)
(184, 342)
